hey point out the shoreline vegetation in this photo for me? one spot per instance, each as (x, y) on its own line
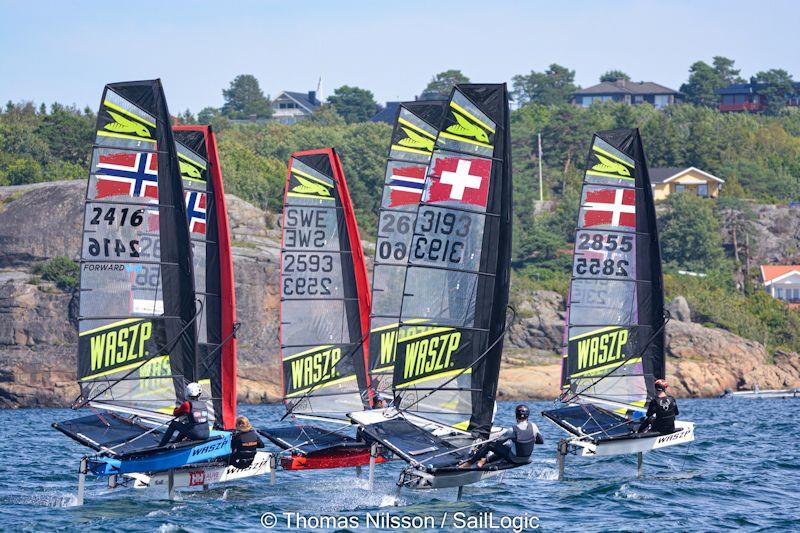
(721, 241)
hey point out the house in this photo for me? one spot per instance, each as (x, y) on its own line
(387, 114)
(749, 97)
(289, 107)
(782, 282)
(667, 180)
(628, 92)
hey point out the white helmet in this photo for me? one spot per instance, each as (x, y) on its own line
(193, 390)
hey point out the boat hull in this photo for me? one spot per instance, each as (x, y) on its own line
(203, 452)
(420, 480)
(204, 474)
(684, 434)
(343, 458)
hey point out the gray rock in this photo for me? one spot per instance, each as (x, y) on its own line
(679, 309)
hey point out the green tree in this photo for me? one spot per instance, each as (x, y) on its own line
(207, 115)
(724, 68)
(690, 234)
(552, 87)
(614, 75)
(353, 104)
(701, 86)
(440, 85)
(68, 134)
(779, 86)
(244, 99)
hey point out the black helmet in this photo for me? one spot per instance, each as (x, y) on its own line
(522, 412)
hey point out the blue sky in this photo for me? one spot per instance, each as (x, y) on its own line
(66, 50)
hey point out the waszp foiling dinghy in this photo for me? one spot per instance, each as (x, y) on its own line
(614, 339)
(138, 319)
(453, 304)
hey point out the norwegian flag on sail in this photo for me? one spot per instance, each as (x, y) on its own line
(196, 212)
(610, 207)
(460, 179)
(406, 185)
(132, 174)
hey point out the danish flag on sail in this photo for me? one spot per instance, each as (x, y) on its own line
(610, 207)
(460, 179)
(406, 185)
(196, 212)
(132, 174)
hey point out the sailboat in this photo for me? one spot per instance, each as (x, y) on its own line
(204, 196)
(414, 133)
(325, 304)
(138, 319)
(452, 314)
(614, 336)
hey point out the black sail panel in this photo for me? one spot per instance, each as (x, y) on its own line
(413, 137)
(456, 284)
(615, 317)
(136, 344)
(324, 292)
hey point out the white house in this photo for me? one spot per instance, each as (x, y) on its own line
(782, 282)
(289, 107)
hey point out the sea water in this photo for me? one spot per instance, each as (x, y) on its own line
(743, 471)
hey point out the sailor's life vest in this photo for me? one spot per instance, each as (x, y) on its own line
(524, 438)
(198, 412)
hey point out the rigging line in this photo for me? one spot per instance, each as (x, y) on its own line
(667, 318)
(509, 323)
(207, 359)
(151, 430)
(474, 443)
(290, 410)
(173, 342)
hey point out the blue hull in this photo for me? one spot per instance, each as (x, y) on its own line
(164, 460)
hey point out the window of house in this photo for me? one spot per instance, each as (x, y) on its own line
(661, 100)
(638, 99)
(778, 293)
(680, 188)
(702, 190)
(739, 99)
(727, 99)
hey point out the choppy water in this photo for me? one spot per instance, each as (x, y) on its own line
(743, 471)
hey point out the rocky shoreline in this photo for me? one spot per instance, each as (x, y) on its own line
(38, 326)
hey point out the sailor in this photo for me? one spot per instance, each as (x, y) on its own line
(661, 412)
(514, 444)
(191, 417)
(244, 443)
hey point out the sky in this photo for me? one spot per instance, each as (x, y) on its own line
(66, 51)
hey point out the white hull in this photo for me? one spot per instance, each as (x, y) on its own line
(684, 435)
(416, 479)
(203, 475)
(764, 394)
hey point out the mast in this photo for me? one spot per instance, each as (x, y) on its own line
(325, 298)
(413, 136)
(614, 340)
(455, 292)
(136, 341)
(213, 268)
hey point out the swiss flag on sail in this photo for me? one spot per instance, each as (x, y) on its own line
(610, 207)
(460, 179)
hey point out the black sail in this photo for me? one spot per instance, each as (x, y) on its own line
(455, 293)
(614, 342)
(413, 136)
(136, 341)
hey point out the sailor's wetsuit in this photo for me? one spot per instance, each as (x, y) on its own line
(191, 422)
(661, 415)
(514, 444)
